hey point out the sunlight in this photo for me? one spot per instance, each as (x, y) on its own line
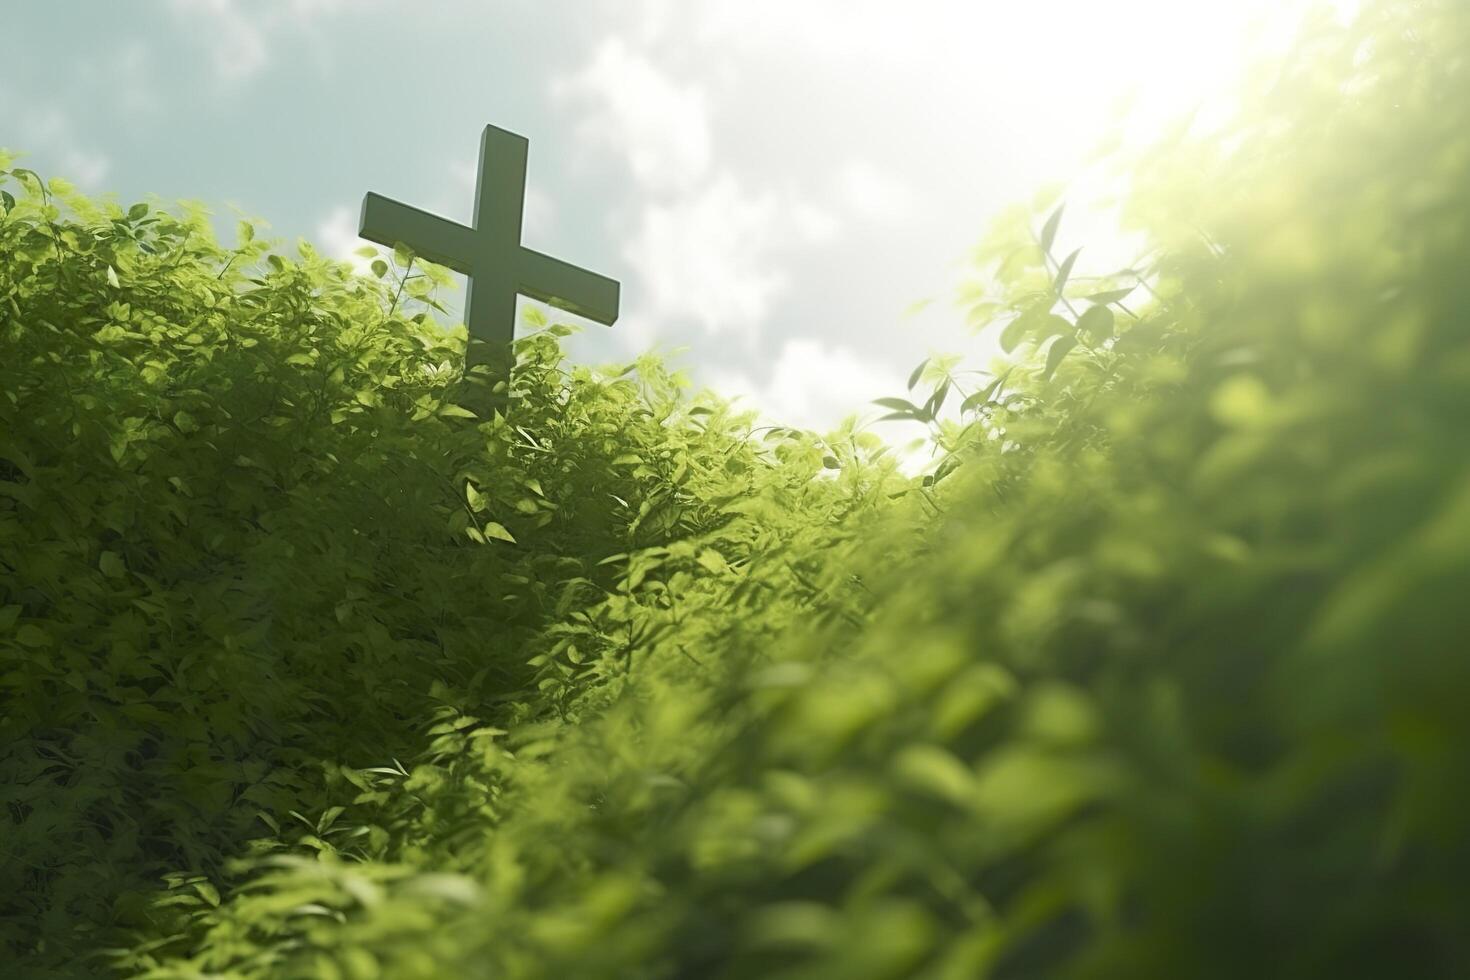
(1120, 74)
(1141, 62)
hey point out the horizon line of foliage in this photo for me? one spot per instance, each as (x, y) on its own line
(1158, 672)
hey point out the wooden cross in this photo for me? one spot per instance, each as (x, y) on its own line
(490, 253)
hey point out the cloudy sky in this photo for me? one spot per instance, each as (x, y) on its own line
(776, 183)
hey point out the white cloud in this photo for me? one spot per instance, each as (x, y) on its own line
(465, 174)
(132, 81)
(237, 40)
(712, 249)
(868, 192)
(540, 215)
(87, 168)
(812, 223)
(768, 140)
(336, 234)
(864, 32)
(50, 130)
(637, 109)
(121, 80)
(712, 256)
(811, 384)
(307, 11)
(240, 35)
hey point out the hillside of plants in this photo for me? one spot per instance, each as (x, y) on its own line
(321, 658)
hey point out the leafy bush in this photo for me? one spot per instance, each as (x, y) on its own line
(248, 530)
(1158, 673)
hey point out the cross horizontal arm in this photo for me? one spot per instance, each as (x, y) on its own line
(568, 287)
(436, 239)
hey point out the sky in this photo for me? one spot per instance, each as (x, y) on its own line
(777, 184)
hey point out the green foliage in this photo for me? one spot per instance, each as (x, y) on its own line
(1157, 672)
(249, 530)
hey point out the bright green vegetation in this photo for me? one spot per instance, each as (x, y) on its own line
(306, 671)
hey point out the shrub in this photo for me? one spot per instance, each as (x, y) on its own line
(247, 530)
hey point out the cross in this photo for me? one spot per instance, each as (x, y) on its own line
(490, 252)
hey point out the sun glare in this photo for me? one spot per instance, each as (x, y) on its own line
(1089, 78)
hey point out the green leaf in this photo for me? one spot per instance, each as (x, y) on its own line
(898, 404)
(207, 892)
(138, 212)
(1054, 325)
(936, 401)
(474, 497)
(112, 564)
(1049, 230)
(1011, 336)
(981, 397)
(1054, 355)
(934, 770)
(112, 278)
(918, 373)
(712, 561)
(31, 635)
(449, 410)
(1096, 324)
(379, 268)
(1110, 295)
(498, 532)
(1064, 271)
(8, 616)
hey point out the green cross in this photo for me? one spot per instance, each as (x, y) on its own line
(490, 253)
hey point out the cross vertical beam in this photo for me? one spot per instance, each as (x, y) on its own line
(490, 253)
(500, 195)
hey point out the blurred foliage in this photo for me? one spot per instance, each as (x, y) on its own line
(1159, 670)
